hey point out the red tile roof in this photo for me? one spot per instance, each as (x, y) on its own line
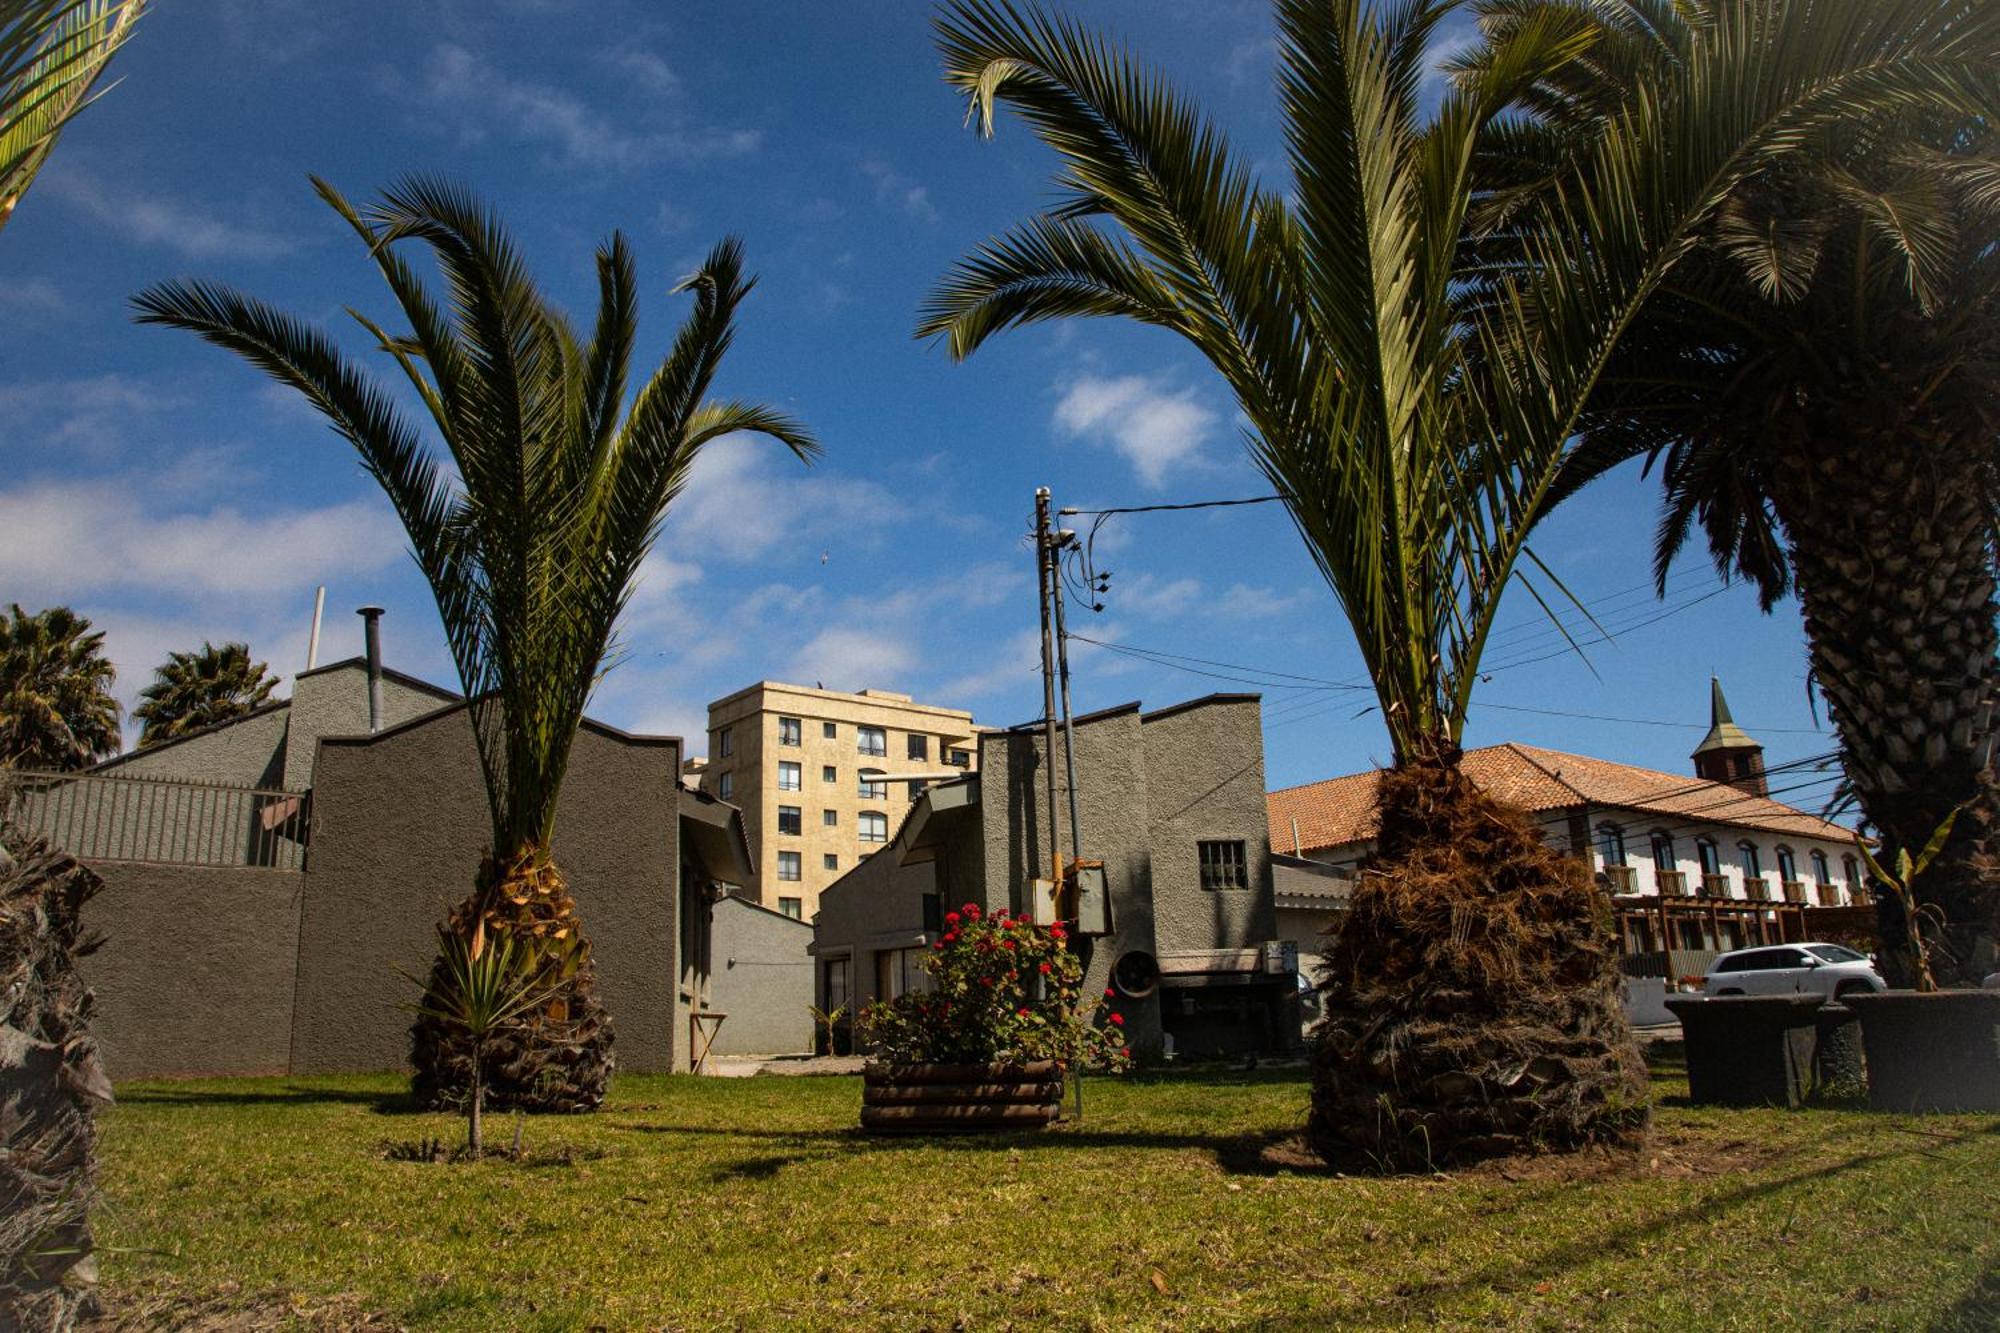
(1342, 810)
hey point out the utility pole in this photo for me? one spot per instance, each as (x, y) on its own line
(1045, 571)
(1057, 541)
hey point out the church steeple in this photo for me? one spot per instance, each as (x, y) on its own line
(1728, 754)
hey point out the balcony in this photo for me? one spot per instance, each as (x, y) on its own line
(1621, 879)
(1673, 884)
(1795, 891)
(1829, 896)
(1715, 886)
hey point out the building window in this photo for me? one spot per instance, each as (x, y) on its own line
(919, 746)
(834, 972)
(1223, 865)
(1663, 853)
(872, 791)
(829, 818)
(1753, 862)
(871, 740)
(1788, 865)
(725, 742)
(1852, 869)
(828, 773)
(790, 776)
(790, 731)
(1821, 875)
(830, 861)
(829, 730)
(725, 785)
(790, 867)
(790, 820)
(918, 787)
(793, 908)
(958, 758)
(874, 826)
(1611, 844)
(1711, 861)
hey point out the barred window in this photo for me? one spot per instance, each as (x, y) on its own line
(874, 826)
(790, 778)
(789, 867)
(789, 731)
(871, 740)
(1223, 865)
(790, 820)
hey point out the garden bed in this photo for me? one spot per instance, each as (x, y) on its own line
(759, 1202)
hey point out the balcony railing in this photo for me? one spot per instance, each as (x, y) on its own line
(1673, 884)
(106, 817)
(1828, 895)
(1715, 886)
(1795, 891)
(1621, 879)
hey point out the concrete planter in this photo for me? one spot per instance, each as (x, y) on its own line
(959, 1099)
(1748, 1050)
(1934, 1052)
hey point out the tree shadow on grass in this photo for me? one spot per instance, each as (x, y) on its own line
(383, 1103)
(1976, 1311)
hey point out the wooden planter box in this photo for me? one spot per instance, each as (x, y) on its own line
(959, 1099)
(1933, 1052)
(1748, 1050)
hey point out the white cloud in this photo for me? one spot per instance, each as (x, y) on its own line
(66, 539)
(1008, 667)
(1154, 428)
(152, 219)
(646, 69)
(844, 657)
(1160, 599)
(457, 79)
(1250, 602)
(892, 187)
(32, 296)
(747, 495)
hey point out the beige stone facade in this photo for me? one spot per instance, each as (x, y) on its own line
(791, 756)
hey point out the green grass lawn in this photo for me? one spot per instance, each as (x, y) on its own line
(695, 1203)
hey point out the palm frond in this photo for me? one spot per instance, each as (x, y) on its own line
(52, 52)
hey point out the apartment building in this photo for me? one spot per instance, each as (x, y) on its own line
(824, 778)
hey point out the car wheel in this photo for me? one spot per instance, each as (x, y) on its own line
(1733, 990)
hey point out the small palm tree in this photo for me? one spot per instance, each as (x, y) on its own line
(51, 54)
(1413, 421)
(56, 708)
(531, 537)
(1819, 386)
(481, 991)
(195, 690)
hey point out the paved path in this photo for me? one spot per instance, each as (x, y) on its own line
(788, 1066)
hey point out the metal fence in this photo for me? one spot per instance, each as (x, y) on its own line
(106, 817)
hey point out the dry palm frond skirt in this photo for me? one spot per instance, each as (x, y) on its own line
(1472, 992)
(560, 1058)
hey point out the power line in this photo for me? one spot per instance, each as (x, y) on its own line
(1070, 510)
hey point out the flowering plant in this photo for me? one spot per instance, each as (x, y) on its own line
(1002, 988)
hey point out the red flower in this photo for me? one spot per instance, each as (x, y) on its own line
(951, 918)
(1006, 944)
(1022, 1011)
(1045, 969)
(1110, 994)
(1125, 1051)
(951, 937)
(939, 946)
(1118, 1020)
(986, 981)
(971, 910)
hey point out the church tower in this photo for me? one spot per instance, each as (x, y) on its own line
(1728, 754)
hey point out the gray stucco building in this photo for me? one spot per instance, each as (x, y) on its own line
(1172, 802)
(269, 881)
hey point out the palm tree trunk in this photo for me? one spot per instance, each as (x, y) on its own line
(1472, 990)
(1892, 545)
(558, 1059)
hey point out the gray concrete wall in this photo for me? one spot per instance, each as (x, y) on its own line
(762, 979)
(248, 752)
(400, 825)
(1205, 781)
(877, 903)
(195, 976)
(1305, 928)
(333, 701)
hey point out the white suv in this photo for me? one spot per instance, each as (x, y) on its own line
(1832, 970)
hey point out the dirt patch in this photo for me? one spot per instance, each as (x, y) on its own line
(230, 1310)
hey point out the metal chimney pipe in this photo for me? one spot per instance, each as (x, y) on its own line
(371, 618)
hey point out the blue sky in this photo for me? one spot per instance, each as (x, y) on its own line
(172, 495)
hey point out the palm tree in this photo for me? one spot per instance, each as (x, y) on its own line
(1819, 386)
(1413, 420)
(530, 536)
(195, 690)
(57, 712)
(51, 54)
